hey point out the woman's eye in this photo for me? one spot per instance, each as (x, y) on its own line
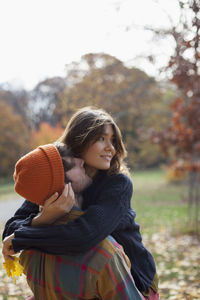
(101, 138)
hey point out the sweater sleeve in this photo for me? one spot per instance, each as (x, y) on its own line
(23, 216)
(93, 226)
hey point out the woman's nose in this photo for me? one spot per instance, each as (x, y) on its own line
(110, 146)
(79, 162)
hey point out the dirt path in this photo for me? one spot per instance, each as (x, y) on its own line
(9, 206)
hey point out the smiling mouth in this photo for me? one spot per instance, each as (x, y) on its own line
(107, 157)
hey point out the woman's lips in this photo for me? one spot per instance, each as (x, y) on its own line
(106, 157)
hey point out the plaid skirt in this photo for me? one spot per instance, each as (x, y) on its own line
(46, 276)
(46, 273)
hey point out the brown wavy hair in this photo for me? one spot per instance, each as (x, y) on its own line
(85, 127)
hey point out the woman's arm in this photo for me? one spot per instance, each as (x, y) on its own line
(100, 220)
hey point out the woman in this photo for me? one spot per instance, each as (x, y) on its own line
(92, 135)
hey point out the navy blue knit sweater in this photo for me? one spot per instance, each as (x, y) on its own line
(107, 206)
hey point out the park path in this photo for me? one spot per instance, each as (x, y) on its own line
(9, 206)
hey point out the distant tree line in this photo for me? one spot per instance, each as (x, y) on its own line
(136, 101)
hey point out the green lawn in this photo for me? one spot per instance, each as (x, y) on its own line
(158, 204)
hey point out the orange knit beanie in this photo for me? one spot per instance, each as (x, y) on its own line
(39, 174)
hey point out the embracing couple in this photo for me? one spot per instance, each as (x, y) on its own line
(77, 229)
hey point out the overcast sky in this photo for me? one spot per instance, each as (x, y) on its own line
(38, 37)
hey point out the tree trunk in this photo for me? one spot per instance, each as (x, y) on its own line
(193, 201)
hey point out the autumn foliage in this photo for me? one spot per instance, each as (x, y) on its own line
(14, 139)
(45, 134)
(182, 137)
(132, 97)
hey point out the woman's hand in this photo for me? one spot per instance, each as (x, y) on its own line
(55, 207)
(7, 249)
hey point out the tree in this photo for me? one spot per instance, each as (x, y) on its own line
(14, 139)
(44, 99)
(182, 137)
(45, 134)
(19, 101)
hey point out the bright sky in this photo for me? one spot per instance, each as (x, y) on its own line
(38, 37)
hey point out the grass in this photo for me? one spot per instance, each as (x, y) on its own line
(158, 204)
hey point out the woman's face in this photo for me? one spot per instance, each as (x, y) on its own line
(99, 154)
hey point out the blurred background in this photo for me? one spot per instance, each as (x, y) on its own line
(138, 60)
